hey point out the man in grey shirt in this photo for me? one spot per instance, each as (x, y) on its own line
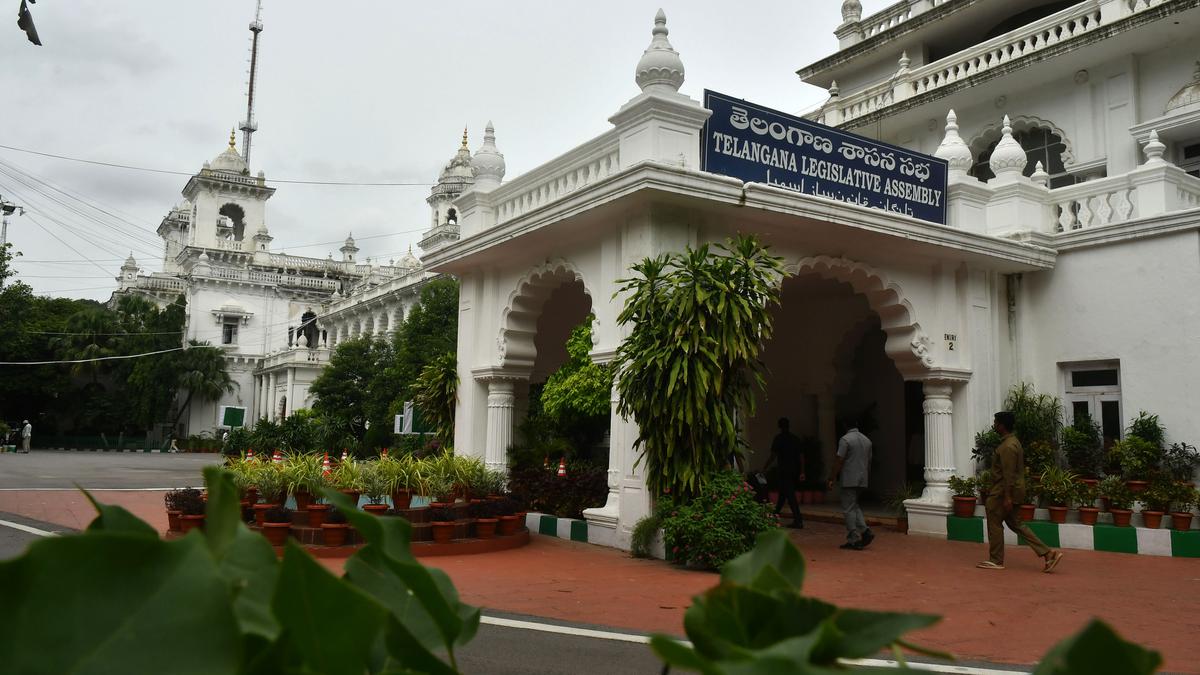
(853, 462)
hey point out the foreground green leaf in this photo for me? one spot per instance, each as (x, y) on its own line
(1098, 649)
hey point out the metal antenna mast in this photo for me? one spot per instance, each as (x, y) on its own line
(249, 126)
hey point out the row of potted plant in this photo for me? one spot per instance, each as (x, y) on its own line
(1060, 489)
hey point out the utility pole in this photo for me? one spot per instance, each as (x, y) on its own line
(6, 210)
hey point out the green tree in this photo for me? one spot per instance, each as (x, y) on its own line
(691, 362)
(429, 331)
(344, 388)
(202, 374)
(576, 398)
(436, 394)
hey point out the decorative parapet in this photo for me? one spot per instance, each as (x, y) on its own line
(293, 356)
(561, 176)
(1004, 52)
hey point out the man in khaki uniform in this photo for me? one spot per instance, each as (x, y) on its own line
(1008, 490)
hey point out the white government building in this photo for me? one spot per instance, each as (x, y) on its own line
(1069, 256)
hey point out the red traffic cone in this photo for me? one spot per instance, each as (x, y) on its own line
(277, 458)
(383, 453)
(249, 453)
(562, 467)
(325, 468)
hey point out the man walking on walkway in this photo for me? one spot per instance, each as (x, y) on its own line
(853, 462)
(26, 437)
(786, 451)
(1008, 490)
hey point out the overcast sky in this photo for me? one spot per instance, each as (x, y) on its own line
(349, 90)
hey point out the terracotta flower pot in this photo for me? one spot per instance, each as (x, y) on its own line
(276, 533)
(316, 514)
(508, 525)
(1058, 514)
(1093, 482)
(1121, 517)
(1181, 521)
(353, 495)
(334, 534)
(173, 520)
(1088, 515)
(189, 523)
(439, 504)
(520, 519)
(401, 499)
(303, 499)
(375, 509)
(251, 494)
(443, 532)
(485, 528)
(260, 510)
(1027, 512)
(964, 507)
(1136, 486)
(1152, 519)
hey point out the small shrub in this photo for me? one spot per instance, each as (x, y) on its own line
(441, 515)
(963, 487)
(643, 534)
(986, 442)
(719, 524)
(1180, 460)
(505, 507)
(1083, 445)
(1059, 486)
(983, 483)
(585, 486)
(1158, 495)
(1185, 498)
(1087, 494)
(1148, 428)
(278, 514)
(482, 509)
(189, 502)
(1119, 496)
(1135, 458)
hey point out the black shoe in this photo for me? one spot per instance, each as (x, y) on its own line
(797, 525)
(867, 538)
(852, 547)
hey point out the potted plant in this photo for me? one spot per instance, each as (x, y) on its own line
(191, 509)
(1180, 461)
(1088, 512)
(1059, 487)
(964, 496)
(347, 479)
(1083, 446)
(483, 513)
(1120, 499)
(440, 490)
(302, 474)
(317, 509)
(496, 483)
(174, 509)
(442, 523)
(1136, 459)
(375, 487)
(1028, 509)
(334, 529)
(397, 472)
(1185, 499)
(1156, 501)
(506, 510)
(277, 523)
(272, 489)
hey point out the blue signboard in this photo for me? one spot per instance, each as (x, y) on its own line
(761, 145)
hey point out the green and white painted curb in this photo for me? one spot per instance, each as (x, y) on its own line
(1098, 537)
(154, 450)
(553, 526)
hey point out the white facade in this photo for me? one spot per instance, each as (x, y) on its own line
(1088, 262)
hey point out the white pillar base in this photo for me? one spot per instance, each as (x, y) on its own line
(927, 518)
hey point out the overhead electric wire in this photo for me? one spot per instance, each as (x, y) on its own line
(47, 231)
(99, 358)
(49, 332)
(115, 165)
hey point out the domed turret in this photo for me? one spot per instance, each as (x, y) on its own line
(410, 261)
(1188, 96)
(459, 165)
(229, 160)
(660, 70)
(488, 162)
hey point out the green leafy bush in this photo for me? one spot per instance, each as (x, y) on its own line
(1158, 495)
(1148, 428)
(963, 487)
(1118, 494)
(1135, 458)
(1180, 461)
(1083, 445)
(716, 526)
(540, 489)
(1060, 487)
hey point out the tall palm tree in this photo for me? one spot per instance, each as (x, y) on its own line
(91, 338)
(202, 373)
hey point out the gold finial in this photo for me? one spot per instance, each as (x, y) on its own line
(464, 137)
(231, 136)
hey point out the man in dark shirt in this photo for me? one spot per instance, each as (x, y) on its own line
(787, 453)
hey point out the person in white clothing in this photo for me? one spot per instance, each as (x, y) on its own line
(853, 462)
(26, 437)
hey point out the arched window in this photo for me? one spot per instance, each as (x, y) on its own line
(452, 217)
(1040, 145)
(237, 218)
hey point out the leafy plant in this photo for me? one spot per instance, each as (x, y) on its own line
(690, 366)
(347, 475)
(908, 490)
(1119, 496)
(1185, 498)
(482, 509)
(304, 471)
(1158, 495)
(1148, 428)
(439, 487)
(495, 482)
(188, 502)
(269, 479)
(376, 485)
(1180, 460)
(441, 514)
(963, 487)
(1038, 416)
(1039, 457)
(435, 393)
(1060, 487)
(986, 442)
(335, 516)
(541, 489)
(983, 483)
(1087, 493)
(1135, 457)
(576, 399)
(277, 514)
(1083, 445)
(716, 526)
(642, 537)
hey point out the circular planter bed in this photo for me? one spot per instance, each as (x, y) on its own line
(485, 528)
(1121, 517)
(1088, 515)
(964, 507)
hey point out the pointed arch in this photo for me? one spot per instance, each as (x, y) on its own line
(992, 133)
(907, 344)
(515, 344)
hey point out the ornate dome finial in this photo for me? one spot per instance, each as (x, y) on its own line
(1008, 159)
(1039, 175)
(1154, 150)
(464, 142)
(851, 11)
(488, 162)
(232, 143)
(834, 91)
(953, 149)
(660, 69)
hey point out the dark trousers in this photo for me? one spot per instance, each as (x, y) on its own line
(997, 518)
(787, 490)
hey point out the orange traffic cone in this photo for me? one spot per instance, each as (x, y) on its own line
(562, 467)
(325, 468)
(383, 453)
(277, 458)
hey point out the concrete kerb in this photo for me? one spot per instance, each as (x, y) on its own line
(1099, 537)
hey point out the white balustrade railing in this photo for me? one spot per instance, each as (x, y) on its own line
(1094, 203)
(888, 18)
(161, 284)
(582, 166)
(274, 278)
(1139, 5)
(229, 245)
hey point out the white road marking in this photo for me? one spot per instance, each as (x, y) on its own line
(98, 489)
(645, 639)
(26, 528)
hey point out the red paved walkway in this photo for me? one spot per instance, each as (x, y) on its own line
(1012, 616)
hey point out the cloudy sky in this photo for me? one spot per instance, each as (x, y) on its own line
(348, 91)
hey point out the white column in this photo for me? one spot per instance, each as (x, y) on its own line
(271, 407)
(501, 401)
(291, 398)
(607, 516)
(927, 514)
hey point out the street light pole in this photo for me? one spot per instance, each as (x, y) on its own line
(6, 210)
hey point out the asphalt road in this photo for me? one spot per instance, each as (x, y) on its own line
(102, 470)
(502, 650)
(14, 538)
